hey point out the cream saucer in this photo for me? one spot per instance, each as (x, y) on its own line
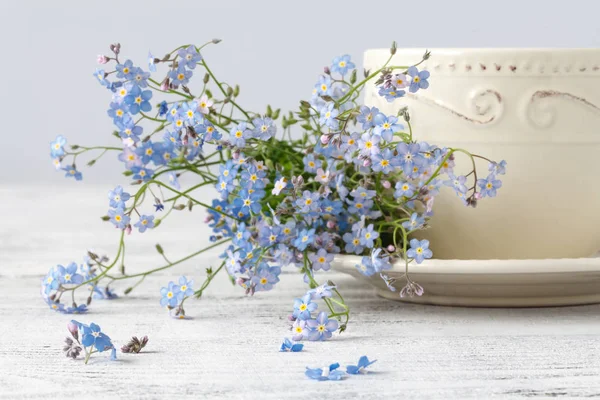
(492, 283)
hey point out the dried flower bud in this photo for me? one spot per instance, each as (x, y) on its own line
(115, 48)
(102, 59)
(136, 345)
(216, 41)
(71, 348)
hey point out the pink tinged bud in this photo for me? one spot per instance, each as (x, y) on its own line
(330, 224)
(236, 154)
(367, 163)
(325, 139)
(128, 229)
(478, 196)
(386, 184)
(102, 59)
(164, 86)
(291, 318)
(73, 329)
(391, 248)
(326, 70)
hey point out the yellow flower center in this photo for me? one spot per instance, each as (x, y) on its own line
(170, 295)
(263, 281)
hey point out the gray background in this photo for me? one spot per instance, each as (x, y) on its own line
(273, 49)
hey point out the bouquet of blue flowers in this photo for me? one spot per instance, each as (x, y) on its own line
(351, 180)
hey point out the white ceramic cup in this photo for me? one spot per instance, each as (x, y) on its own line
(539, 110)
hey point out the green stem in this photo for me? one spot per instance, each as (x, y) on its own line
(174, 262)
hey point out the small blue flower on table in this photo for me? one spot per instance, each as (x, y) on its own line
(360, 368)
(289, 346)
(331, 373)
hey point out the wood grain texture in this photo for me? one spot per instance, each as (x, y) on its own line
(230, 347)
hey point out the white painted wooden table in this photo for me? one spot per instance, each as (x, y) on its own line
(230, 348)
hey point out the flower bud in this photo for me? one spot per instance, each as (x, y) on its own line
(391, 248)
(128, 229)
(325, 139)
(367, 163)
(165, 85)
(331, 224)
(327, 70)
(102, 59)
(115, 48)
(386, 184)
(73, 329)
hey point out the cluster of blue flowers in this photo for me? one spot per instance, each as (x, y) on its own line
(93, 340)
(173, 296)
(304, 325)
(61, 279)
(332, 373)
(118, 215)
(357, 182)
(325, 209)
